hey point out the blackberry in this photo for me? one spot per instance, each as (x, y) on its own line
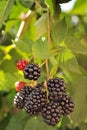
(32, 72)
(36, 100)
(56, 88)
(20, 97)
(25, 92)
(51, 113)
(18, 101)
(66, 104)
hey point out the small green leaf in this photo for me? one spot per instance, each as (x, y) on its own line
(41, 26)
(68, 61)
(5, 7)
(41, 49)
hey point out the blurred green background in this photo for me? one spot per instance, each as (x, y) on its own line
(24, 34)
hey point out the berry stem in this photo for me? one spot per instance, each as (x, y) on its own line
(47, 69)
(71, 121)
(48, 26)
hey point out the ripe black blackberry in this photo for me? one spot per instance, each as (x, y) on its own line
(67, 105)
(18, 101)
(51, 113)
(25, 92)
(20, 97)
(56, 88)
(36, 101)
(32, 72)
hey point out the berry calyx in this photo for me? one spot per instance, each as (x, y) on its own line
(21, 64)
(19, 85)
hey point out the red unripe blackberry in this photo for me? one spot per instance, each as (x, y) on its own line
(21, 64)
(32, 72)
(19, 85)
(20, 97)
(18, 101)
(56, 88)
(67, 105)
(51, 113)
(36, 100)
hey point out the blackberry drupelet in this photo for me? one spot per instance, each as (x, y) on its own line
(18, 101)
(66, 104)
(20, 97)
(56, 88)
(32, 72)
(36, 101)
(51, 113)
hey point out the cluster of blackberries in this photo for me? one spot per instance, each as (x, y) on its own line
(48, 100)
(31, 71)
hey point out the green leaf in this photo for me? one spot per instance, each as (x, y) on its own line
(80, 7)
(68, 61)
(58, 31)
(41, 25)
(5, 7)
(17, 122)
(27, 3)
(79, 94)
(41, 49)
(24, 45)
(53, 70)
(50, 3)
(75, 45)
(37, 124)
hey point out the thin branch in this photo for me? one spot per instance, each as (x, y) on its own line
(48, 26)
(47, 68)
(22, 25)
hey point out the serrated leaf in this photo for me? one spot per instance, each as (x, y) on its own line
(41, 49)
(5, 7)
(41, 26)
(53, 70)
(80, 99)
(68, 61)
